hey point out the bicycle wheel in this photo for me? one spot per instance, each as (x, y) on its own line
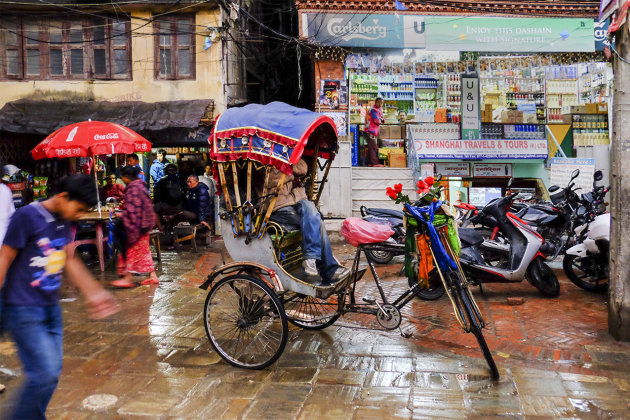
(310, 313)
(245, 322)
(475, 328)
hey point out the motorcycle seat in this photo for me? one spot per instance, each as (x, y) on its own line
(469, 237)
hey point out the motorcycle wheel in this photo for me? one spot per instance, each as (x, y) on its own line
(435, 289)
(572, 266)
(546, 281)
(380, 257)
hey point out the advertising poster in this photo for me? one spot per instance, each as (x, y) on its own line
(470, 107)
(561, 169)
(334, 95)
(341, 121)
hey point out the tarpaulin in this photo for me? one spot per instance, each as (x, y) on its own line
(28, 116)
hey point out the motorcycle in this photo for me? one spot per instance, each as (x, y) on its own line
(520, 259)
(551, 220)
(394, 218)
(586, 263)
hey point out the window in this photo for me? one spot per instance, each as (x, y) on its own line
(65, 49)
(175, 48)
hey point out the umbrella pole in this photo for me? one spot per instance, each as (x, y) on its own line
(98, 198)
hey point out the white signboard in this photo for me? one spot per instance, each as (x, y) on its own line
(453, 168)
(561, 169)
(426, 170)
(492, 170)
(481, 149)
(470, 107)
(433, 131)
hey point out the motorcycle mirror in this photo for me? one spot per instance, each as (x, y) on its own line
(598, 176)
(553, 188)
(575, 174)
(510, 182)
(438, 178)
(581, 211)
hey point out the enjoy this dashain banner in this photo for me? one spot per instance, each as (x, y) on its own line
(510, 34)
(450, 33)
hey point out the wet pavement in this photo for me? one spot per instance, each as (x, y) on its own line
(153, 359)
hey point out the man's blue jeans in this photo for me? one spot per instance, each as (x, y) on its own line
(315, 240)
(38, 335)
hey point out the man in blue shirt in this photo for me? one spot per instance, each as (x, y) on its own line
(133, 160)
(157, 168)
(32, 260)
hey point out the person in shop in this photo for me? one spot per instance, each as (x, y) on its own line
(6, 204)
(373, 120)
(208, 179)
(32, 264)
(112, 189)
(138, 220)
(157, 168)
(292, 204)
(168, 198)
(133, 160)
(198, 204)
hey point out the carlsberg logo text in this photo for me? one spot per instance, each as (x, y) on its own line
(363, 30)
(108, 136)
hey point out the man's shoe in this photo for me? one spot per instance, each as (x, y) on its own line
(310, 267)
(340, 274)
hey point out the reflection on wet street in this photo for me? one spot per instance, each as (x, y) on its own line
(153, 358)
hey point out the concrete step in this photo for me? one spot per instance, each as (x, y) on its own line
(381, 184)
(384, 173)
(378, 194)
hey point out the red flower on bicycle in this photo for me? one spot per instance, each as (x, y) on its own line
(391, 193)
(429, 181)
(398, 188)
(423, 188)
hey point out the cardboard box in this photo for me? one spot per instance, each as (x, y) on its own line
(488, 108)
(530, 118)
(591, 108)
(395, 132)
(397, 160)
(602, 108)
(441, 115)
(383, 132)
(512, 117)
(578, 109)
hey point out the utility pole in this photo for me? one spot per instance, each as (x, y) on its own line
(619, 289)
(232, 57)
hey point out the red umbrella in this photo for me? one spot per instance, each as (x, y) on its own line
(90, 138)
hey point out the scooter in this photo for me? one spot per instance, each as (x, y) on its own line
(394, 218)
(586, 262)
(522, 260)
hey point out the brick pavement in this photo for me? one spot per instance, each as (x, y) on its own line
(153, 359)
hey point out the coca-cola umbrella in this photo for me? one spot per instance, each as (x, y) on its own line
(90, 138)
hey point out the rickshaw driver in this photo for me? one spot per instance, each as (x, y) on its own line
(318, 256)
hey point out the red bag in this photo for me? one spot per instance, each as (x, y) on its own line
(358, 231)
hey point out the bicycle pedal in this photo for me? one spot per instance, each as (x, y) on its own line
(369, 299)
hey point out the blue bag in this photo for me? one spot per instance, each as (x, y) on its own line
(444, 260)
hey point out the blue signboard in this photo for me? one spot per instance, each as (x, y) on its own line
(601, 35)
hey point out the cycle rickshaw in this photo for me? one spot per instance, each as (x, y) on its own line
(252, 299)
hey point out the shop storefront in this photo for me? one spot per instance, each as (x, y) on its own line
(478, 100)
(180, 127)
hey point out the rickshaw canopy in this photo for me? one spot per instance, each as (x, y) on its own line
(274, 134)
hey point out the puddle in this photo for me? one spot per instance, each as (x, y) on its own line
(588, 410)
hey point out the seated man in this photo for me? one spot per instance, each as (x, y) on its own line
(318, 256)
(112, 189)
(198, 205)
(168, 197)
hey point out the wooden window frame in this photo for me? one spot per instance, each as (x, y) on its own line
(171, 22)
(4, 48)
(87, 45)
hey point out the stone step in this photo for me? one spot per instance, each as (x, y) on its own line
(359, 173)
(381, 184)
(378, 194)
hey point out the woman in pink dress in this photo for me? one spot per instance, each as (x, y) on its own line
(374, 119)
(138, 219)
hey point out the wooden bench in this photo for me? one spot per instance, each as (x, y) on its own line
(183, 233)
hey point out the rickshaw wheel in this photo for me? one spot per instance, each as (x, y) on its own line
(245, 322)
(310, 313)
